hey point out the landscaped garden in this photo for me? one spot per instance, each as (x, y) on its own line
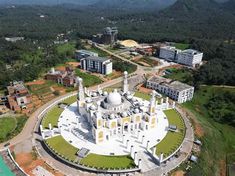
(52, 117)
(111, 162)
(61, 147)
(173, 139)
(11, 126)
(70, 100)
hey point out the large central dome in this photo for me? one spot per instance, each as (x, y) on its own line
(114, 98)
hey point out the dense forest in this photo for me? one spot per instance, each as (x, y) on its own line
(205, 24)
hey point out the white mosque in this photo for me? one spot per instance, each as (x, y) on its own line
(115, 113)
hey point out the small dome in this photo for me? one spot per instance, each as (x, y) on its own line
(92, 107)
(136, 110)
(124, 114)
(112, 116)
(114, 98)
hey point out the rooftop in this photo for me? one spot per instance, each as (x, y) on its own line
(95, 58)
(170, 83)
(191, 51)
(86, 52)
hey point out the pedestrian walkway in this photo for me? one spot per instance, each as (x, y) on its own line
(148, 162)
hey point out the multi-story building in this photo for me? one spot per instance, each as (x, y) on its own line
(169, 53)
(18, 96)
(79, 54)
(176, 90)
(108, 37)
(187, 57)
(97, 64)
(190, 57)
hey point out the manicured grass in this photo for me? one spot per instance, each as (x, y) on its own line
(11, 126)
(52, 117)
(114, 162)
(142, 95)
(173, 139)
(62, 147)
(182, 46)
(174, 118)
(70, 100)
(218, 139)
(67, 151)
(88, 79)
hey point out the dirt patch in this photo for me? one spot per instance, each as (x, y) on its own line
(73, 64)
(144, 64)
(37, 82)
(61, 68)
(143, 89)
(27, 162)
(222, 166)
(59, 89)
(178, 173)
(199, 132)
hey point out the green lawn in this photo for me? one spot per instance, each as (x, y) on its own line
(62, 147)
(218, 139)
(142, 95)
(88, 79)
(173, 139)
(70, 100)
(7, 125)
(11, 126)
(41, 89)
(98, 51)
(182, 46)
(183, 75)
(67, 151)
(52, 117)
(115, 162)
(145, 96)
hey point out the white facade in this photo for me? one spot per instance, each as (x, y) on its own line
(116, 113)
(187, 57)
(190, 57)
(169, 53)
(176, 90)
(97, 64)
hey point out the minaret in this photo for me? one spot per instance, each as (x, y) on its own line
(80, 96)
(152, 103)
(125, 83)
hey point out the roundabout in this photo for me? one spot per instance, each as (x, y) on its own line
(113, 132)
